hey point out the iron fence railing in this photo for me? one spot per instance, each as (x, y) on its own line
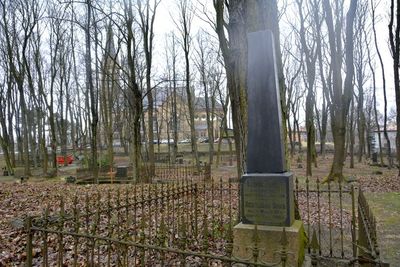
(368, 249)
(183, 224)
(161, 173)
(335, 229)
(192, 224)
(329, 209)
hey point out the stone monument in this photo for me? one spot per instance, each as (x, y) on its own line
(266, 198)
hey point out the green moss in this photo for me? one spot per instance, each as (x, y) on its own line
(303, 245)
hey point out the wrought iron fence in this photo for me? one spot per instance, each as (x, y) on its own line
(178, 172)
(176, 224)
(188, 223)
(368, 248)
(335, 229)
(329, 210)
(162, 173)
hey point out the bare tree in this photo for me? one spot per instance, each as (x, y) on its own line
(351, 135)
(134, 94)
(108, 93)
(5, 87)
(171, 59)
(292, 68)
(147, 16)
(184, 25)
(360, 63)
(325, 71)
(309, 51)
(204, 66)
(372, 69)
(341, 93)
(91, 90)
(373, 8)
(17, 35)
(394, 40)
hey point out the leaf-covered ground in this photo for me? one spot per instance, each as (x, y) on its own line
(29, 199)
(382, 191)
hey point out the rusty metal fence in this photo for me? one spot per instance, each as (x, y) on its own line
(180, 224)
(162, 173)
(177, 172)
(368, 248)
(339, 223)
(191, 224)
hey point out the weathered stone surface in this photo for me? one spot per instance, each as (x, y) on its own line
(270, 242)
(265, 151)
(266, 188)
(267, 199)
(122, 172)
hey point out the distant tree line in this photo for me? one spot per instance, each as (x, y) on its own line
(83, 73)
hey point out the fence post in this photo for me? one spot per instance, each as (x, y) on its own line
(362, 231)
(29, 241)
(60, 235)
(314, 247)
(207, 172)
(319, 213)
(196, 196)
(353, 222)
(308, 209)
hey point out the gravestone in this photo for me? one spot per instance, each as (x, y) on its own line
(375, 157)
(122, 172)
(267, 188)
(266, 195)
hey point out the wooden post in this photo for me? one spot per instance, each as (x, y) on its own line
(29, 242)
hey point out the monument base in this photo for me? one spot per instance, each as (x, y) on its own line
(269, 242)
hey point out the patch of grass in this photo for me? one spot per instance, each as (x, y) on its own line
(386, 208)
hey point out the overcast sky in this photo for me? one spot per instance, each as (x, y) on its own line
(164, 24)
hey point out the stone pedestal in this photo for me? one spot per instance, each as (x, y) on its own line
(269, 242)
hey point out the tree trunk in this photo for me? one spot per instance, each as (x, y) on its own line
(92, 93)
(394, 39)
(351, 135)
(341, 100)
(134, 97)
(146, 24)
(186, 16)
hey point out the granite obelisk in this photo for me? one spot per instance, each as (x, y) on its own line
(267, 188)
(266, 195)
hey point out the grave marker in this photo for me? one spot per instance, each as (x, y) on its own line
(266, 195)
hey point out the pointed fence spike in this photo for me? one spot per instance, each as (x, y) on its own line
(205, 233)
(314, 242)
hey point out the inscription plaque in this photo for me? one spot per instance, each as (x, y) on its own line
(266, 199)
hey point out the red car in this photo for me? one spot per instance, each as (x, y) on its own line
(69, 158)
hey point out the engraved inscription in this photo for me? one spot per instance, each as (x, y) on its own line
(265, 201)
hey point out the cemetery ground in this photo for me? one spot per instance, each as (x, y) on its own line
(381, 187)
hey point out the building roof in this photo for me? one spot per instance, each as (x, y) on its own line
(161, 95)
